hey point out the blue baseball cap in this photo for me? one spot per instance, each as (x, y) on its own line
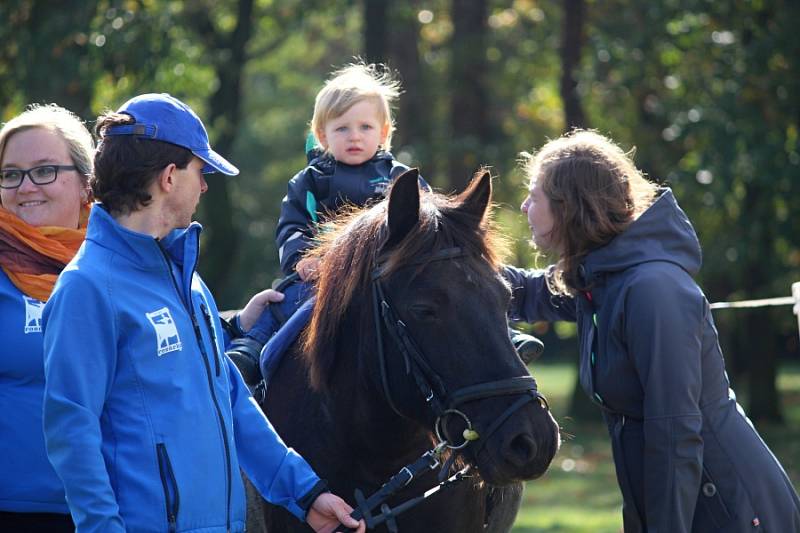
(162, 117)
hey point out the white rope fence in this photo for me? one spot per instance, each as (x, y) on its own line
(793, 300)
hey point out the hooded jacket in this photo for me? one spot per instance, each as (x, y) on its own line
(28, 483)
(146, 421)
(321, 189)
(686, 456)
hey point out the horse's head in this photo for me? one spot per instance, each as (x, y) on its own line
(418, 277)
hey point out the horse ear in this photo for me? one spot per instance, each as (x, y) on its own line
(476, 197)
(403, 206)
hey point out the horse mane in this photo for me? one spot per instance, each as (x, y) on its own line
(350, 246)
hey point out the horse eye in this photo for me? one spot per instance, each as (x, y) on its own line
(422, 311)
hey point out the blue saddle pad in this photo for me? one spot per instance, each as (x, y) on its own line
(276, 347)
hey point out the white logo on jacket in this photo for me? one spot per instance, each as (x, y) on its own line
(33, 315)
(166, 332)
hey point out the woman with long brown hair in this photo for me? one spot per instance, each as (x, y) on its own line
(687, 458)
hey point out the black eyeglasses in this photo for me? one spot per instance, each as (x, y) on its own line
(12, 178)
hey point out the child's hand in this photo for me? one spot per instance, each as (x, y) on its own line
(307, 268)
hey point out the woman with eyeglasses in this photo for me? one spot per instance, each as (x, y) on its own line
(45, 162)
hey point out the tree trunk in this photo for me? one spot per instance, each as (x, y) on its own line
(376, 30)
(468, 111)
(413, 112)
(224, 115)
(760, 348)
(572, 39)
(55, 63)
(757, 348)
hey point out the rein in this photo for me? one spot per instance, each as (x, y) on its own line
(430, 460)
(442, 403)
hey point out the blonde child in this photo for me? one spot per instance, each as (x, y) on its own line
(353, 125)
(350, 164)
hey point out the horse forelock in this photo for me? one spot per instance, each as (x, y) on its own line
(349, 249)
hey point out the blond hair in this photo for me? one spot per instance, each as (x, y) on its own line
(65, 123)
(595, 191)
(353, 84)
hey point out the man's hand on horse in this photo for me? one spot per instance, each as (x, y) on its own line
(328, 511)
(307, 268)
(257, 304)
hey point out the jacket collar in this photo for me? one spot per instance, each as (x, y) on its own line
(181, 245)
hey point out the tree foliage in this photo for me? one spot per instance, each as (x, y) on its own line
(708, 93)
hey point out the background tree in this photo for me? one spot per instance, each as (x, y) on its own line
(227, 56)
(707, 92)
(572, 39)
(726, 142)
(412, 138)
(469, 98)
(376, 30)
(60, 42)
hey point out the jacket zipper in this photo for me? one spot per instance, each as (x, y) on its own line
(170, 486)
(213, 333)
(220, 418)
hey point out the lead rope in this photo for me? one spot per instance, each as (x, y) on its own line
(428, 461)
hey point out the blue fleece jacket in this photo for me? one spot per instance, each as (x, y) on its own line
(28, 483)
(146, 421)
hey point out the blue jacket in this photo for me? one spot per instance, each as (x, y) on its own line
(687, 458)
(28, 483)
(320, 189)
(146, 420)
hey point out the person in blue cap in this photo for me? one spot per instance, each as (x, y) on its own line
(146, 421)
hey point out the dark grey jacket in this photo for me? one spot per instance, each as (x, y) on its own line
(320, 190)
(687, 457)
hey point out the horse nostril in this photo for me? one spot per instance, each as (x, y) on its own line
(521, 450)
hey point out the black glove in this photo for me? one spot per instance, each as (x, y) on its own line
(245, 352)
(528, 347)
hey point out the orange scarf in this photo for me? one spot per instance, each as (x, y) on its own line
(33, 257)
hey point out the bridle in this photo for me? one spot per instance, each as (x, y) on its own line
(442, 403)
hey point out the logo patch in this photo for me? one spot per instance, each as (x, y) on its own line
(33, 315)
(166, 332)
(380, 185)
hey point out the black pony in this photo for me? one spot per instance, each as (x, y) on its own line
(409, 332)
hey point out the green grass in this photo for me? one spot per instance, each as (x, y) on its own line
(579, 494)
